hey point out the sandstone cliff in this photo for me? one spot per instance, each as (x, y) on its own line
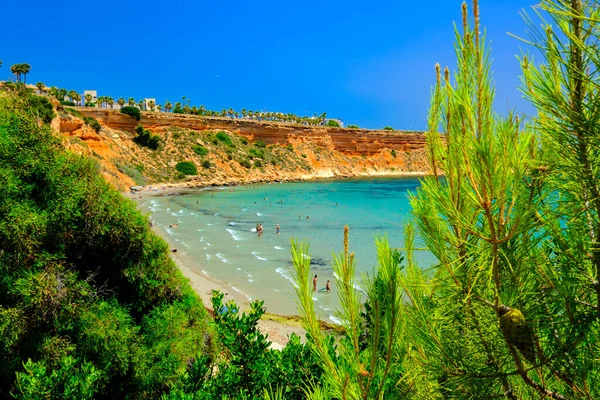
(292, 152)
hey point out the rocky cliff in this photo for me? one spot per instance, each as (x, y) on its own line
(287, 152)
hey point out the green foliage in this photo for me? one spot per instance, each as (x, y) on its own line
(94, 323)
(388, 128)
(245, 163)
(289, 147)
(40, 107)
(353, 127)
(244, 141)
(93, 123)
(333, 123)
(74, 112)
(303, 155)
(70, 380)
(145, 138)
(187, 167)
(132, 112)
(200, 150)
(256, 153)
(224, 138)
(260, 144)
(206, 164)
(393, 153)
(67, 103)
(258, 163)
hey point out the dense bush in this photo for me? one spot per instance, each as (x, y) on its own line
(256, 153)
(93, 123)
(200, 150)
(187, 167)
(260, 143)
(224, 138)
(132, 112)
(388, 128)
(258, 163)
(146, 138)
(393, 152)
(244, 141)
(333, 123)
(206, 164)
(40, 107)
(92, 306)
(67, 103)
(245, 163)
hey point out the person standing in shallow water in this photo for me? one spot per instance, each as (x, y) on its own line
(315, 283)
(277, 229)
(327, 287)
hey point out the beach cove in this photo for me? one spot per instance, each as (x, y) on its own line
(214, 233)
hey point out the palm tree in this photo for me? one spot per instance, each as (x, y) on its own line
(186, 109)
(202, 110)
(87, 98)
(72, 95)
(236, 114)
(40, 86)
(141, 105)
(0, 63)
(244, 113)
(77, 98)
(230, 112)
(151, 104)
(159, 107)
(110, 101)
(99, 101)
(223, 112)
(131, 101)
(168, 105)
(16, 69)
(121, 101)
(24, 69)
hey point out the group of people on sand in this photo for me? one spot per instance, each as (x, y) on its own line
(327, 286)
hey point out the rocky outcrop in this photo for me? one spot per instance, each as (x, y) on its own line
(348, 141)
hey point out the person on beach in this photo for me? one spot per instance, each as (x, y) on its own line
(259, 230)
(277, 229)
(327, 287)
(315, 283)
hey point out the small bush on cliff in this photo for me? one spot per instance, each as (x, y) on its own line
(333, 123)
(245, 163)
(258, 163)
(224, 138)
(206, 164)
(93, 123)
(200, 150)
(67, 103)
(388, 128)
(146, 138)
(244, 141)
(40, 107)
(256, 153)
(353, 127)
(187, 167)
(260, 143)
(132, 112)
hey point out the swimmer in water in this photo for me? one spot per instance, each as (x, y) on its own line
(277, 229)
(315, 283)
(327, 287)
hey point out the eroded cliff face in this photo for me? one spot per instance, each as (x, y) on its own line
(292, 152)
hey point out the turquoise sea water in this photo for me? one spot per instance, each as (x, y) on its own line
(216, 232)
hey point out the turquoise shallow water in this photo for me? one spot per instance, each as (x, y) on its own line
(216, 232)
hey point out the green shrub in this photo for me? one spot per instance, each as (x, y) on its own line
(260, 143)
(229, 156)
(258, 163)
(146, 138)
(353, 127)
(200, 150)
(244, 141)
(90, 104)
(393, 153)
(388, 128)
(245, 163)
(224, 137)
(256, 153)
(67, 103)
(186, 167)
(303, 155)
(215, 142)
(273, 162)
(41, 108)
(333, 123)
(74, 112)
(93, 123)
(289, 147)
(206, 164)
(132, 112)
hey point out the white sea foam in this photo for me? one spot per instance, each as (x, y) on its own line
(204, 272)
(250, 280)
(245, 209)
(222, 258)
(286, 275)
(209, 224)
(233, 223)
(242, 293)
(216, 214)
(278, 248)
(208, 256)
(234, 234)
(169, 209)
(354, 284)
(255, 254)
(259, 214)
(335, 320)
(186, 245)
(208, 244)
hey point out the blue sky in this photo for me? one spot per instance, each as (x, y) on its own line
(370, 63)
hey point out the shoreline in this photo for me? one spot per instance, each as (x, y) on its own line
(167, 188)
